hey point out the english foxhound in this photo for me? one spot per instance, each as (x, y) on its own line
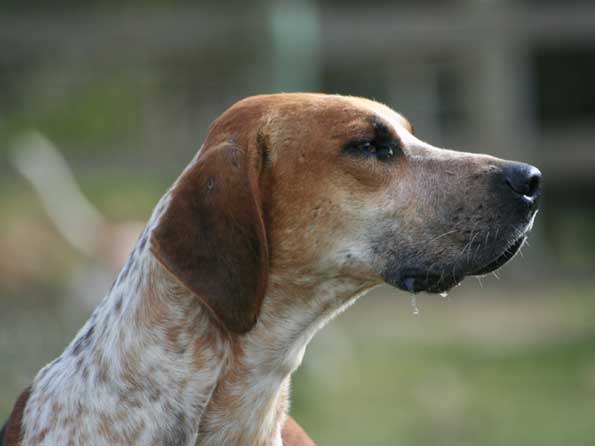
(295, 205)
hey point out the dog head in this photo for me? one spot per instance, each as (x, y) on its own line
(316, 186)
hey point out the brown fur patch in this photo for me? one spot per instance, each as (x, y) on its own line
(212, 235)
(13, 434)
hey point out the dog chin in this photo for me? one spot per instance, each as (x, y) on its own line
(415, 280)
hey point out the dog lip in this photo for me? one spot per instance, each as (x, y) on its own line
(504, 258)
(416, 281)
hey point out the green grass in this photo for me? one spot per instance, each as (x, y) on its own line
(448, 395)
(443, 388)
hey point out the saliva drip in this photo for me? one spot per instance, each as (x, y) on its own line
(414, 305)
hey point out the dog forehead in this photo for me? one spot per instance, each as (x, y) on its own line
(297, 102)
(287, 116)
(387, 114)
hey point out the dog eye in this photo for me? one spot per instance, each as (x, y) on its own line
(382, 152)
(367, 146)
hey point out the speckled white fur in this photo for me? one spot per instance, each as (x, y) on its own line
(121, 382)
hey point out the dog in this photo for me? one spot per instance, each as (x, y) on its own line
(294, 207)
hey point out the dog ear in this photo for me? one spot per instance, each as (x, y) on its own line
(212, 234)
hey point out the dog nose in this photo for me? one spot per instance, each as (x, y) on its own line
(523, 179)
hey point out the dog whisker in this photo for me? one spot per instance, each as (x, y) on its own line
(442, 235)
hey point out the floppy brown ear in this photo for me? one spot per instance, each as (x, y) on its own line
(212, 235)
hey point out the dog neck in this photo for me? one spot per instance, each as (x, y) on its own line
(250, 402)
(151, 364)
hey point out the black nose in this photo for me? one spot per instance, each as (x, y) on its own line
(524, 179)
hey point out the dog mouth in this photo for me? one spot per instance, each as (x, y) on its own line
(504, 258)
(416, 280)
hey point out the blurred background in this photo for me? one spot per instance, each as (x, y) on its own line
(115, 98)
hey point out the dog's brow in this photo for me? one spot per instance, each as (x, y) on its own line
(383, 131)
(388, 117)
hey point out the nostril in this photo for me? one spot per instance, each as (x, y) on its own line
(523, 179)
(534, 182)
